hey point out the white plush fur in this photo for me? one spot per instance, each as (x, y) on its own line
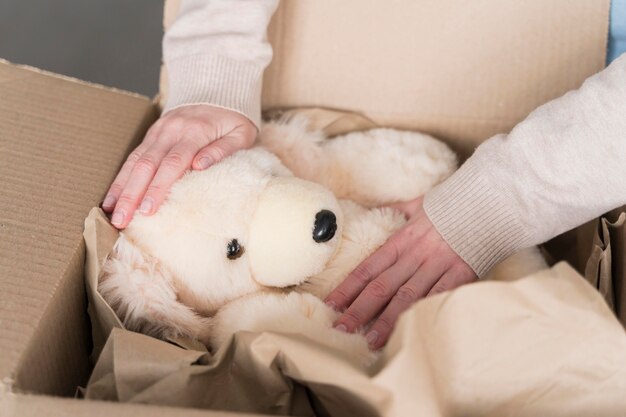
(373, 168)
(168, 274)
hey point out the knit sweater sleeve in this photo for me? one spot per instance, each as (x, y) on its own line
(562, 166)
(215, 53)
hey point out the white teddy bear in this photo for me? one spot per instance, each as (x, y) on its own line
(257, 241)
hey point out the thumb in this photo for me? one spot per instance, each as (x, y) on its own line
(221, 148)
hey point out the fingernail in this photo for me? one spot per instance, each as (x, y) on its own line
(332, 305)
(109, 202)
(118, 217)
(371, 337)
(146, 205)
(342, 328)
(204, 163)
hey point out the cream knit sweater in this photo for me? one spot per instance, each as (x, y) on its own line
(562, 166)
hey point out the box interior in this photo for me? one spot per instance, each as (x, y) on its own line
(62, 141)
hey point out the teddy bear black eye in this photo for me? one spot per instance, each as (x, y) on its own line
(234, 250)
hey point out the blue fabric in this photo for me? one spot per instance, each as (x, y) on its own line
(617, 30)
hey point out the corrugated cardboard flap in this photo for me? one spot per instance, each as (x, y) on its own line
(461, 71)
(61, 143)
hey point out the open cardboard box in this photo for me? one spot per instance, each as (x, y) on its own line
(62, 141)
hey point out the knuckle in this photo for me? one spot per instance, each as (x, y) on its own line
(406, 295)
(245, 135)
(169, 135)
(134, 156)
(115, 188)
(195, 131)
(174, 160)
(384, 325)
(439, 288)
(378, 289)
(217, 153)
(362, 274)
(341, 294)
(172, 122)
(351, 318)
(146, 164)
(153, 131)
(394, 246)
(155, 190)
(410, 233)
(126, 200)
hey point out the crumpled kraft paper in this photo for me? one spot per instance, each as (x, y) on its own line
(543, 345)
(330, 122)
(606, 262)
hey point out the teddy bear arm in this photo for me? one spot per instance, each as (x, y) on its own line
(382, 166)
(291, 313)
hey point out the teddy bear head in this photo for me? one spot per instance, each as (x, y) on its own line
(241, 225)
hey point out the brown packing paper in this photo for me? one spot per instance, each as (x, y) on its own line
(140, 369)
(606, 264)
(101, 236)
(331, 122)
(543, 345)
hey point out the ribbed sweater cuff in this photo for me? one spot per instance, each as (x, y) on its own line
(218, 81)
(477, 220)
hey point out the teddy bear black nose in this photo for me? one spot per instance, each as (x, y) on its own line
(325, 226)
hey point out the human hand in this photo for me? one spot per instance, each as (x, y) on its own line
(415, 262)
(195, 136)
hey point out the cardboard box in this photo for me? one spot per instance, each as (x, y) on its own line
(63, 140)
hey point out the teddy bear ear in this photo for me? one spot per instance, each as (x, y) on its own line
(141, 291)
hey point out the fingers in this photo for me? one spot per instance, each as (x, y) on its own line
(414, 289)
(452, 279)
(141, 175)
(172, 167)
(200, 134)
(432, 279)
(223, 147)
(342, 296)
(180, 158)
(413, 263)
(377, 294)
(121, 179)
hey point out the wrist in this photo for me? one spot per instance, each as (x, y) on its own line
(475, 219)
(217, 81)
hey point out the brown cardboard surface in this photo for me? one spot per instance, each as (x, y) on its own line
(17, 405)
(461, 71)
(61, 143)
